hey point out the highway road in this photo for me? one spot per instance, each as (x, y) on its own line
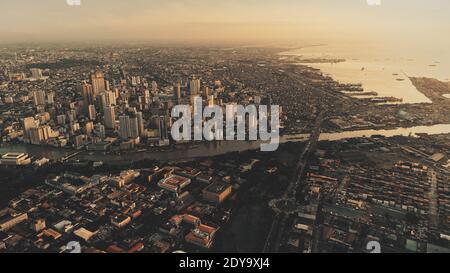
(295, 186)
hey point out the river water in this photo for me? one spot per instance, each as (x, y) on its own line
(208, 149)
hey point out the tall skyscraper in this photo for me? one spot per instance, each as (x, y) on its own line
(99, 131)
(194, 89)
(206, 92)
(89, 128)
(111, 98)
(87, 92)
(27, 124)
(133, 127)
(147, 97)
(140, 121)
(72, 115)
(124, 123)
(110, 117)
(194, 86)
(92, 114)
(61, 119)
(135, 81)
(88, 96)
(101, 101)
(257, 100)
(98, 82)
(162, 127)
(51, 98)
(39, 134)
(107, 85)
(106, 99)
(177, 92)
(211, 101)
(36, 73)
(39, 98)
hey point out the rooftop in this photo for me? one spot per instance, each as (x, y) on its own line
(13, 155)
(218, 187)
(174, 182)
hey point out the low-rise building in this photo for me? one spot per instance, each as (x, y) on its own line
(217, 192)
(15, 159)
(9, 218)
(120, 220)
(202, 236)
(174, 183)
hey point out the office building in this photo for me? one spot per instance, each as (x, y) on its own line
(210, 101)
(40, 134)
(124, 123)
(194, 86)
(177, 92)
(98, 82)
(129, 126)
(51, 98)
(39, 98)
(110, 117)
(162, 128)
(27, 124)
(89, 128)
(133, 127)
(110, 98)
(99, 130)
(206, 92)
(92, 113)
(88, 96)
(141, 123)
(106, 99)
(61, 119)
(36, 73)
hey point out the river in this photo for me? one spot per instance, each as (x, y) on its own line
(209, 149)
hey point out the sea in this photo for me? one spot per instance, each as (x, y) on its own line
(381, 68)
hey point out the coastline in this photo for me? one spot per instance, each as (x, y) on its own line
(433, 88)
(389, 77)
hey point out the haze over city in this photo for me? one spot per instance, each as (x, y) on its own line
(218, 21)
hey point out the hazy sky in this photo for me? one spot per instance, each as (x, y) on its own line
(245, 21)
